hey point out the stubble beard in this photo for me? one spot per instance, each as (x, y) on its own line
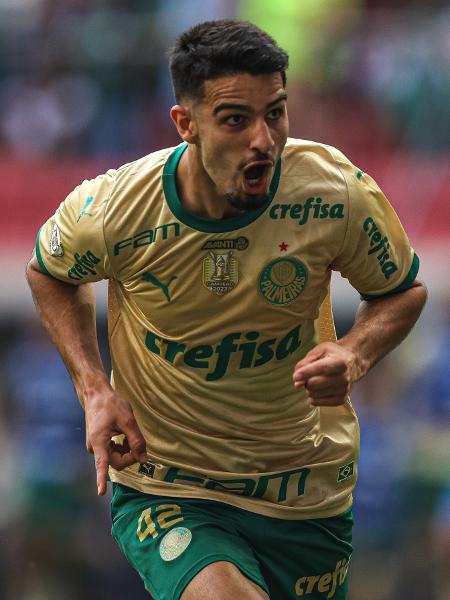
(247, 202)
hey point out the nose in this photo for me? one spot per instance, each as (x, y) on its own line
(261, 139)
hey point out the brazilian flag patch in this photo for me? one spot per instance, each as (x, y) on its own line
(346, 471)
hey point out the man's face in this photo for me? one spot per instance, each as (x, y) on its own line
(242, 126)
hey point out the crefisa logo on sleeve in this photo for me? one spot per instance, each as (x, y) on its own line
(83, 266)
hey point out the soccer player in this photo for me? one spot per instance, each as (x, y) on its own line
(226, 428)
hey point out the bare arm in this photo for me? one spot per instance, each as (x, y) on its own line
(330, 369)
(68, 314)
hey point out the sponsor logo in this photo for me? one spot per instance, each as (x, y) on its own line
(84, 211)
(56, 247)
(147, 469)
(379, 243)
(245, 347)
(346, 471)
(326, 583)
(312, 208)
(175, 543)
(149, 236)
(164, 287)
(283, 280)
(240, 243)
(276, 487)
(84, 265)
(220, 272)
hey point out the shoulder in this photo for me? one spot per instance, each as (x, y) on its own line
(123, 180)
(137, 186)
(147, 169)
(136, 201)
(306, 152)
(323, 168)
(306, 156)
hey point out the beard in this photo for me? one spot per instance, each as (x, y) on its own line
(247, 202)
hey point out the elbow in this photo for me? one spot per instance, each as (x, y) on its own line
(420, 292)
(31, 269)
(28, 270)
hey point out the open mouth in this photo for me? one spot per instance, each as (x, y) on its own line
(256, 177)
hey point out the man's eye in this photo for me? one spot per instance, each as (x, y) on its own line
(275, 113)
(234, 120)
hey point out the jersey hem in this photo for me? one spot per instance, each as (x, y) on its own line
(406, 283)
(286, 513)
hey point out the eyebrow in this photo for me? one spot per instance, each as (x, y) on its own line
(244, 107)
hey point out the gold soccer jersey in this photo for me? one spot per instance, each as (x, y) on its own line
(207, 319)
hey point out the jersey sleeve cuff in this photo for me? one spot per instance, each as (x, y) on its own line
(406, 283)
(39, 256)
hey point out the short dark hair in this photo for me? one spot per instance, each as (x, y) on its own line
(218, 48)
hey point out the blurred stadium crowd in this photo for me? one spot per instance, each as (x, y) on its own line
(86, 82)
(89, 78)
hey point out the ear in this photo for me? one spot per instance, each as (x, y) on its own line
(184, 122)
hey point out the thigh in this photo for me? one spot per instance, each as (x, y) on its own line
(302, 559)
(171, 540)
(222, 581)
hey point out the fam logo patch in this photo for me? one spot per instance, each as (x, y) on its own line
(220, 272)
(175, 543)
(283, 280)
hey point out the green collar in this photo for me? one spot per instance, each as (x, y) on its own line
(201, 223)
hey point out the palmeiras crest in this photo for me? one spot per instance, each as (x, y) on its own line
(220, 272)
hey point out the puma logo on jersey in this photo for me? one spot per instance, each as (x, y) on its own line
(83, 212)
(164, 287)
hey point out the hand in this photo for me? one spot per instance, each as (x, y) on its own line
(327, 372)
(109, 414)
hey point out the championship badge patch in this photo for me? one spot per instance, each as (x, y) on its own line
(56, 247)
(175, 543)
(220, 272)
(283, 280)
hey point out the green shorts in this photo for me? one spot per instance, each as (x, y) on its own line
(169, 540)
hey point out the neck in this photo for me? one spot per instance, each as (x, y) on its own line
(196, 190)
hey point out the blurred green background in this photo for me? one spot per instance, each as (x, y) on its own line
(84, 86)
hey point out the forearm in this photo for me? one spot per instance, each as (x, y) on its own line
(68, 314)
(381, 325)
